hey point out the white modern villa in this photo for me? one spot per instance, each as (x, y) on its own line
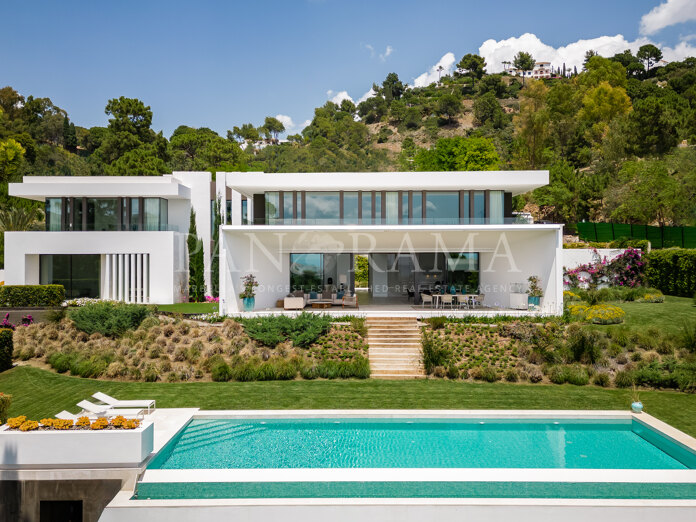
(424, 234)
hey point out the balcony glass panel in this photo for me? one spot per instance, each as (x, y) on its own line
(135, 211)
(322, 208)
(54, 213)
(151, 214)
(497, 198)
(366, 208)
(288, 198)
(378, 208)
(102, 214)
(404, 208)
(417, 213)
(479, 207)
(391, 207)
(350, 208)
(442, 208)
(464, 218)
(272, 208)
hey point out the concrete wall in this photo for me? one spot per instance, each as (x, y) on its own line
(507, 255)
(574, 257)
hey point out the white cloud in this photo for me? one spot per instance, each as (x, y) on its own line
(383, 56)
(368, 94)
(371, 49)
(668, 13)
(573, 54)
(286, 121)
(338, 97)
(442, 68)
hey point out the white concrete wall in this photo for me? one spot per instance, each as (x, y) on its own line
(574, 257)
(508, 254)
(164, 250)
(78, 447)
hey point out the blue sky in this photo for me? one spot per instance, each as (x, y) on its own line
(220, 64)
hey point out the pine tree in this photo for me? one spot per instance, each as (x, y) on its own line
(69, 135)
(196, 262)
(215, 260)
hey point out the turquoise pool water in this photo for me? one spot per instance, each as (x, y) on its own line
(420, 443)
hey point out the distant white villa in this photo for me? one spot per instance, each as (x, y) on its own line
(541, 70)
(422, 232)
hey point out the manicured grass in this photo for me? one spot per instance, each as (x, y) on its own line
(190, 308)
(39, 393)
(668, 316)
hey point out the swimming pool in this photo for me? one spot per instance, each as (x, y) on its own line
(453, 456)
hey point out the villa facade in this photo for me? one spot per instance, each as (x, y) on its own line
(421, 233)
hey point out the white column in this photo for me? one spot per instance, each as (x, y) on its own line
(107, 277)
(139, 278)
(121, 276)
(146, 278)
(131, 293)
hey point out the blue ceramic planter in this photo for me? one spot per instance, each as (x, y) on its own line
(248, 303)
(535, 301)
(637, 407)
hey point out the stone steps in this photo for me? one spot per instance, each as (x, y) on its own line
(395, 350)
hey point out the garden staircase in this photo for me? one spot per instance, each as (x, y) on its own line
(395, 350)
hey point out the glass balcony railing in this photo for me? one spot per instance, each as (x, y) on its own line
(517, 220)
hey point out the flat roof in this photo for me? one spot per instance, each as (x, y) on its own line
(41, 187)
(515, 181)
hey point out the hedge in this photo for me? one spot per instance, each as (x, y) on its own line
(672, 270)
(18, 296)
(5, 401)
(6, 349)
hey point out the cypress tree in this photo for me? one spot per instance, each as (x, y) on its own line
(215, 260)
(196, 262)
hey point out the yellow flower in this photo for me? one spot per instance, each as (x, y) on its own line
(16, 422)
(605, 314)
(29, 425)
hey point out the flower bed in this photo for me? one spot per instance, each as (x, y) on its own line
(21, 423)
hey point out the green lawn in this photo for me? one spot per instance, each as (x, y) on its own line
(39, 393)
(668, 316)
(189, 308)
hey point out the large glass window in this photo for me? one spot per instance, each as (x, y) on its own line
(366, 208)
(135, 211)
(378, 207)
(404, 207)
(463, 271)
(350, 208)
(497, 203)
(272, 208)
(479, 207)
(442, 208)
(464, 216)
(245, 210)
(417, 208)
(306, 272)
(391, 207)
(151, 214)
(102, 214)
(288, 198)
(79, 274)
(322, 208)
(54, 214)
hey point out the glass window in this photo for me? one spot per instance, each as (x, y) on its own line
(77, 214)
(134, 214)
(404, 208)
(80, 275)
(288, 198)
(463, 271)
(54, 214)
(442, 208)
(417, 217)
(164, 214)
(464, 218)
(272, 208)
(366, 208)
(378, 207)
(306, 272)
(322, 208)
(102, 214)
(299, 206)
(245, 207)
(479, 207)
(391, 207)
(350, 208)
(497, 198)
(151, 214)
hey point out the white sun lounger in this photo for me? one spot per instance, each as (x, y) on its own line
(107, 411)
(148, 404)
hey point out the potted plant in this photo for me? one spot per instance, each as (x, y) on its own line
(534, 292)
(249, 283)
(636, 405)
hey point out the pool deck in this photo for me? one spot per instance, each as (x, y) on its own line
(405, 509)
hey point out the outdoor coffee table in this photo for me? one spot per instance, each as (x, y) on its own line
(322, 304)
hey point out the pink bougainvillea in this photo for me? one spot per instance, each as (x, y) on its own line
(627, 269)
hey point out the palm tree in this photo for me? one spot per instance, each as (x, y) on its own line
(19, 218)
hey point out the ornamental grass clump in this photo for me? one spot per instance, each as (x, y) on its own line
(108, 318)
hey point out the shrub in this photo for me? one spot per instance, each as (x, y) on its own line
(688, 336)
(17, 296)
(585, 344)
(624, 379)
(221, 372)
(302, 330)
(357, 324)
(452, 371)
(436, 323)
(150, 374)
(6, 349)
(535, 376)
(602, 379)
(489, 374)
(511, 375)
(309, 372)
(246, 371)
(574, 374)
(5, 402)
(605, 314)
(107, 318)
(672, 270)
(433, 354)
